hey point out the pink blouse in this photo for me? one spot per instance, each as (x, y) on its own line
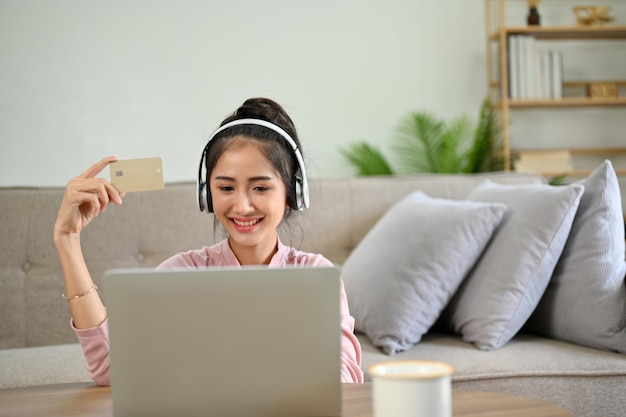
(95, 341)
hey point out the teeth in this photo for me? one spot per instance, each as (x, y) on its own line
(249, 223)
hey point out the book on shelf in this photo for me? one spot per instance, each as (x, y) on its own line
(530, 90)
(514, 77)
(548, 161)
(556, 74)
(533, 73)
(520, 64)
(543, 77)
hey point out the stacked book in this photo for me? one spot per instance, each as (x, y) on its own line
(533, 73)
(548, 162)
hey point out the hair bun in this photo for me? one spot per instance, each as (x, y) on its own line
(265, 109)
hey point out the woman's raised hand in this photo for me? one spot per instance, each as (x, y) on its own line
(85, 197)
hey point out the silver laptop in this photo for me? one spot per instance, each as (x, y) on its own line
(250, 341)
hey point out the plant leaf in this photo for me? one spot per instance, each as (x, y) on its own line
(418, 142)
(456, 140)
(481, 156)
(367, 159)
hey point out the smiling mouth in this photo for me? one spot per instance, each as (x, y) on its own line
(248, 223)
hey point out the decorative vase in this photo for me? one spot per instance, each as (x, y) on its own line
(533, 17)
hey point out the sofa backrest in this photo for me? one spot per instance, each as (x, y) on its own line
(151, 226)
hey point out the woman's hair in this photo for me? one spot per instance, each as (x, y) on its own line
(271, 144)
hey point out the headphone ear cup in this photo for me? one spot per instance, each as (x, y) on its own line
(204, 199)
(204, 194)
(299, 194)
(202, 183)
(201, 198)
(208, 199)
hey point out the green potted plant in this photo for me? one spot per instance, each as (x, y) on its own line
(424, 143)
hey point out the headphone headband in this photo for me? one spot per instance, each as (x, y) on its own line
(302, 186)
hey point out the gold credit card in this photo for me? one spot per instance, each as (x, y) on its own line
(142, 174)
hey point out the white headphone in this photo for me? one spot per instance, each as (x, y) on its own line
(301, 184)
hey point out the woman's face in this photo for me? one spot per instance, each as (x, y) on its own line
(249, 199)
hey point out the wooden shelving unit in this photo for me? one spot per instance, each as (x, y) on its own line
(498, 33)
(564, 32)
(570, 102)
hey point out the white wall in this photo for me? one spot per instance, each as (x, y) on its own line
(81, 79)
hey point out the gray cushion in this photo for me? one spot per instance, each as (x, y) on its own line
(585, 302)
(505, 286)
(404, 271)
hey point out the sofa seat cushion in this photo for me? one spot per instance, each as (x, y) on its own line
(586, 381)
(524, 356)
(21, 367)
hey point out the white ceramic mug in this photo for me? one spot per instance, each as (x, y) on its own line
(411, 389)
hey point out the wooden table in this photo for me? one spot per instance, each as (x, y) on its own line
(88, 400)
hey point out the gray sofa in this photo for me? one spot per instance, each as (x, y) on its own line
(38, 347)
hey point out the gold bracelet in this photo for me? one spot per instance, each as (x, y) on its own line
(93, 288)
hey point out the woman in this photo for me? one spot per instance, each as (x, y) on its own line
(251, 177)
